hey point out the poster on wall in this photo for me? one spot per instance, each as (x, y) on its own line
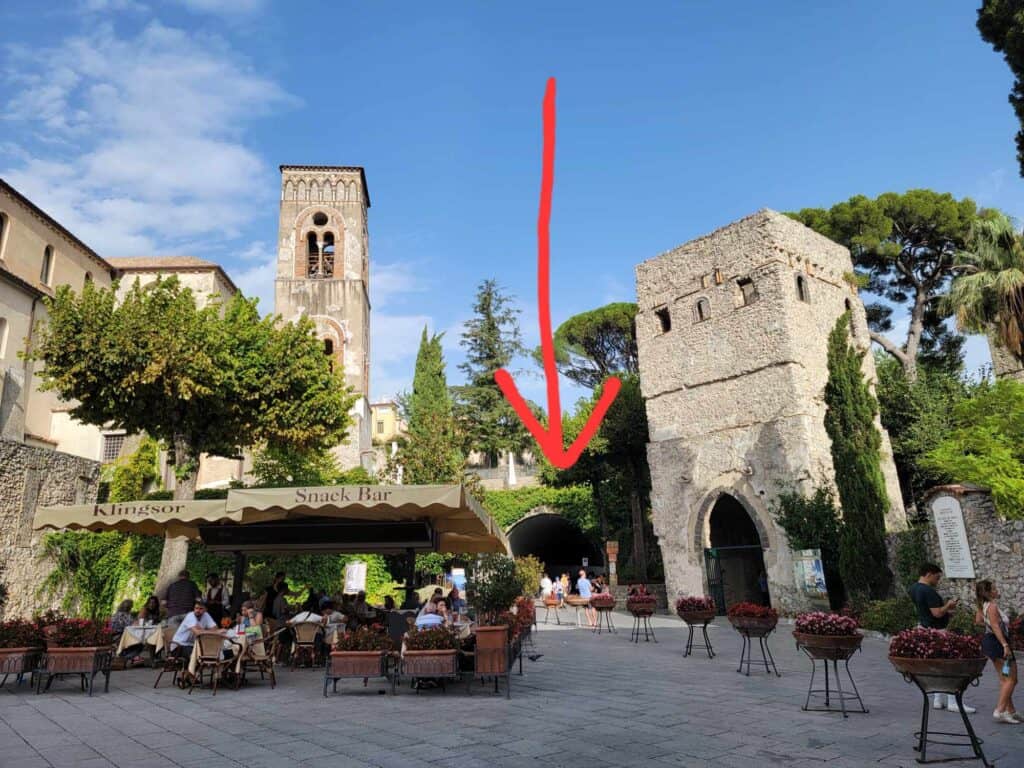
(457, 578)
(948, 515)
(810, 577)
(355, 577)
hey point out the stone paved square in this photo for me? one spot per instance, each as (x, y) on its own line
(589, 701)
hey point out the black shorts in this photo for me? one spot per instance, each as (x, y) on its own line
(991, 646)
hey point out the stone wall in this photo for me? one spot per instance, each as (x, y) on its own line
(997, 546)
(31, 476)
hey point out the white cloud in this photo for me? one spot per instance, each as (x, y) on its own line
(224, 7)
(390, 280)
(257, 279)
(150, 127)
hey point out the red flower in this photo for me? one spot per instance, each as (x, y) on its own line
(823, 623)
(693, 604)
(923, 643)
(753, 611)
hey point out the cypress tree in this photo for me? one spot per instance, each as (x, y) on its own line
(856, 444)
(431, 454)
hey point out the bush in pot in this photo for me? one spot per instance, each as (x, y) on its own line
(603, 601)
(640, 602)
(496, 586)
(751, 616)
(431, 639)
(827, 635)
(359, 653)
(691, 609)
(431, 652)
(80, 633)
(941, 661)
(20, 644)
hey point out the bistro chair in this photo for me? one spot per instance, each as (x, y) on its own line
(172, 662)
(210, 652)
(306, 633)
(259, 657)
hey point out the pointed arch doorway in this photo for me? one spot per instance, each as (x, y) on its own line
(734, 561)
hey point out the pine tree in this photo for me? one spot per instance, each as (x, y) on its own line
(491, 340)
(856, 443)
(431, 454)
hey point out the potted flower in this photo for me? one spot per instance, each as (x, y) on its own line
(940, 661)
(696, 610)
(827, 635)
(640, 602)
(78, 647)
(431, 652)
(753, 618)
(496, 588)
(359, 653)
(604, 601)
(21, 642)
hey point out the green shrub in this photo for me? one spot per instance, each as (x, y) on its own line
(889, 616)
(911, 552)
(529, 571)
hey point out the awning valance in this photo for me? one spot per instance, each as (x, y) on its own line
(173, 518)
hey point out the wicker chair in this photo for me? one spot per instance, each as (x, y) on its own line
(209, 648)
(305, 647)
(259, 657)
(172, 662)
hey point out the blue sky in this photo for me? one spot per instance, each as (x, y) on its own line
(157, 127)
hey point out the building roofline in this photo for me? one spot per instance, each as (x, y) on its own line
(362, 173)
(182, 268)
(54, 224)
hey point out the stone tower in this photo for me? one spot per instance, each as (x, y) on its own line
(732, 332)
(323, 263)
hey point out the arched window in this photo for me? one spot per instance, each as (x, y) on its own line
(849, 308)
(664, 319)
(88, 277)
(312, 256)
(702, 311)
(3, 232)
(748, 291)
(328, 261)
(3, 337)
(801, 289)
(329, 351)
(47, 269)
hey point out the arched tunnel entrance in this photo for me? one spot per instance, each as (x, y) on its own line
(735, 559)
(557, 543)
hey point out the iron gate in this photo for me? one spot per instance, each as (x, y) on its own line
(713, 557)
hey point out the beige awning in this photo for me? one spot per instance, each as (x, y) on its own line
(174, 518)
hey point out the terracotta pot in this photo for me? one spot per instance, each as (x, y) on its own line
(15, 661)
(696, 617)
(357, 664)
(753, 625)
(575, 600)
(941, 675)
(72, 660)
(430, 663)
(829, 646)
(491, 650)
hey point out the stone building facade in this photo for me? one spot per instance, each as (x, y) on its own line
(32, 476)
(323, 273)
(1004, 364)
(732, 333)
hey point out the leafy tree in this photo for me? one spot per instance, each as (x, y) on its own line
(591, 346)
(1001, 23)
(988, 294)
(812, 522)
(907, 245)
(431, 453)
(986, 445)
(917, 415)
(211, 379)
(491, 340)
(856, 442)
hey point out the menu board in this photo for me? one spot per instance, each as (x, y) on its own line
(355, 577)
(949, 524)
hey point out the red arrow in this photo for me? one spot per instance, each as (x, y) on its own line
(550, 440)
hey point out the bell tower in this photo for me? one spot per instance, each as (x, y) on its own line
(323, 273)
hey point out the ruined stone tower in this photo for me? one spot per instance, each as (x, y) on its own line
(732, 331)
(323, 263)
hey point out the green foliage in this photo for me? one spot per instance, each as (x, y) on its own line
(207, 379)
(917, 415)
(911, 550)
(889, 616)
(986, 445)
(495, 585)
(529, 571)
(573, 503)
(850, 423)
(907, 245)
(812, 522)
(491, 340)
(1001, 24)
(591, 346)
(131, 474)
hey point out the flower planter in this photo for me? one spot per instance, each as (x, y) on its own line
(696, 617)
(431, 663)
(641, 609)
(18, 661)
(754, 625)
(356, 664)
(86, 661)
(940, 675)
(577, 602)
(492, 651)
(828, 647)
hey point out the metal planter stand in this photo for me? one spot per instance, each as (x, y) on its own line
(834, 655)
(642, 623)
(692, 620)
(754, 631)
(604, 621)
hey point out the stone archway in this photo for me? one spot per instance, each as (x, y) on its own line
(734, 551)
(555, 541)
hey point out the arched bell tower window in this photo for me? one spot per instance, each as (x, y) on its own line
(328, 260)
(329, 351)
(702, 311)
(801, 289)
(312, 256)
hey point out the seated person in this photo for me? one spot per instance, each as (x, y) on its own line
(197, 620)
(362, 609)
(437, 595)
(389, 603)
(306, 617)
(150, 613)
(248, 617)
(455, 601)
(432, 615)
(122, 617)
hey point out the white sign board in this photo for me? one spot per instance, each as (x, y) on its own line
(586, 561)
(355, 577)
(956, 552)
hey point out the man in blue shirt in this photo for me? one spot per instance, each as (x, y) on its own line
(585, 590)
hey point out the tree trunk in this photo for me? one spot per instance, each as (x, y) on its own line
(175, 553)
(914, 333)
(639, 540)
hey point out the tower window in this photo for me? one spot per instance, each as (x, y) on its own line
(748, 291)
(380, 427)
(47, 268)
(312, 256)
(3, 336)
(329, 351)
(112, 445)
(328, 260)
(849, 308)
(702, 311)
(801, 289)
(320, 219)
(664, 319)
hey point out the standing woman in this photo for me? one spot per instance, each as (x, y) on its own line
(996, 645)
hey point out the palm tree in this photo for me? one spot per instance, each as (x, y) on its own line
(988, 294)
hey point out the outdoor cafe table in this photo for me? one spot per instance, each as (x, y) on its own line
(152, 634)
(237, 647)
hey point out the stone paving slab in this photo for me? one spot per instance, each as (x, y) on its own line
(591, 700)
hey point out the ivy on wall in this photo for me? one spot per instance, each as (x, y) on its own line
(575, 503)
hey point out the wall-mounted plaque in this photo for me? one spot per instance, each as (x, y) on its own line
(956, 551)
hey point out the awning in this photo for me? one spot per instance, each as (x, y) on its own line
(342, 518)
(173, 518)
